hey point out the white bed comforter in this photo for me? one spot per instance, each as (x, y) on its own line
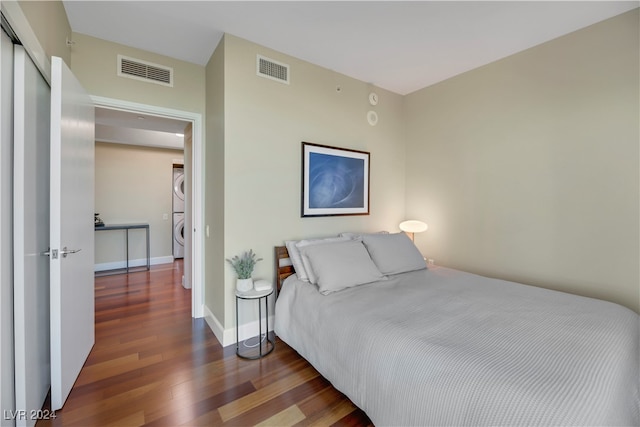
(441, 347)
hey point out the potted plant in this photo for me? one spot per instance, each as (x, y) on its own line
(243, 265)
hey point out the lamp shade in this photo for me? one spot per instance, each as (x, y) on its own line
(413, 226)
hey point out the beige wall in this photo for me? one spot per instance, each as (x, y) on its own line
(133, 185)
(528, 168)
(49, 22)
(214, 293)
(264, 124)
(95, 63)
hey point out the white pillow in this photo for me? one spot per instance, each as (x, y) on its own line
(340, 265)
(393, 253)
(296, 259)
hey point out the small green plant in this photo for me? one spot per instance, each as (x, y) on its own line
(243, 265)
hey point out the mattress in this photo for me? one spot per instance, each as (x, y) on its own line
(448, 348)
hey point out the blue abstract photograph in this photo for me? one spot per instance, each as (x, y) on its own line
(335, 181)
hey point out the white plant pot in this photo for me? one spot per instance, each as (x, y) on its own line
(244, 285)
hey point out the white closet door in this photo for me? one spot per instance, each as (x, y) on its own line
(7, 400)
(72, 229)
(31, 237)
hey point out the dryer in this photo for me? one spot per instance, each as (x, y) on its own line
(178, 189)
(178, 235)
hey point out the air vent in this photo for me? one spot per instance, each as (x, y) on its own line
(146, 71)
(273, 70)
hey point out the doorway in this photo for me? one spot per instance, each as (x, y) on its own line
(193, 158)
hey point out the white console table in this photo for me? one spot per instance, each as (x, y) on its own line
(126, 228)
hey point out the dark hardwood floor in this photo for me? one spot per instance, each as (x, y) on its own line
(153, 365)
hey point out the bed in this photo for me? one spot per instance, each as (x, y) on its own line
(436, 346)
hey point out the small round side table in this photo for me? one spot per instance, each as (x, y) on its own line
(265, 345)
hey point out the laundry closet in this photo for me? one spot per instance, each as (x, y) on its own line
(178, 211)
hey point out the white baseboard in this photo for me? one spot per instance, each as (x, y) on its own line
(141, 262)
(227, 337)
(214, 324)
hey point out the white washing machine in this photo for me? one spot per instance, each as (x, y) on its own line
(178, 235)
(178, 189)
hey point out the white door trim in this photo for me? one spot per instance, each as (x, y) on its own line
(198, 168)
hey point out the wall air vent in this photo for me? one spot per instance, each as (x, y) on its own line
(273, 70)
(145, 71)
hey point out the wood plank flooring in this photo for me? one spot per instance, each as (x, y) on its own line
(153, 365)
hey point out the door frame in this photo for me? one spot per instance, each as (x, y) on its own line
(197, 190)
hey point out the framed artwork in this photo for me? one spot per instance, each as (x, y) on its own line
(335, 181)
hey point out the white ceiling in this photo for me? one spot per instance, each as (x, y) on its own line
(399, 46)
(110, 117)
(122, 127)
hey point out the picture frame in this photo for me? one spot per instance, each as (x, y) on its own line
(335, 181)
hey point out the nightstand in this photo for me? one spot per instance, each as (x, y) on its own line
(264, 345)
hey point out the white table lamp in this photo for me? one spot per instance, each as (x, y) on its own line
(412, 226)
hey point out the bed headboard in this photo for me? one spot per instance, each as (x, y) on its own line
(282, 269)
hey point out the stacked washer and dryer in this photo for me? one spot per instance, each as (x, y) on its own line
(178, 212)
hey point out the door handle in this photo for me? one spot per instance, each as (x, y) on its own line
(64, 252)
(52, 253)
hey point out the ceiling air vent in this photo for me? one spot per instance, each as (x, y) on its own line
(146, 71)
(273, 70)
